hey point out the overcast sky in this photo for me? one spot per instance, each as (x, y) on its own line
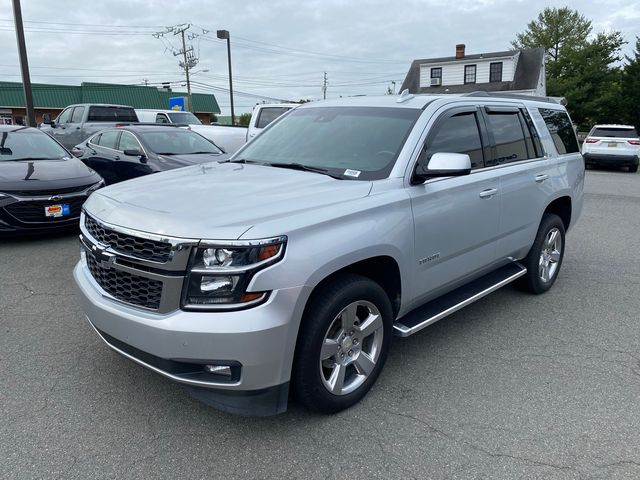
(280, 48)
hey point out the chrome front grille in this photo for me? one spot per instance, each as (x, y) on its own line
(142, 248)
(124, 286)
(136, 268)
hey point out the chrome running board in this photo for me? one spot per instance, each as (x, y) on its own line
(440, 307)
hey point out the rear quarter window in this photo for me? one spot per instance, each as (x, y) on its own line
(561, 130)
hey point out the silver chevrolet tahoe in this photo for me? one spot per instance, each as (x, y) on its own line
(346, 222)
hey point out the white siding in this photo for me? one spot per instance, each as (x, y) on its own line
(453, 73)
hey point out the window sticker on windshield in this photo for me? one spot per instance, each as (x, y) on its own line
(352, 173)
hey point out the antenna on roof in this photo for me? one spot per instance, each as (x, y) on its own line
(404, 96)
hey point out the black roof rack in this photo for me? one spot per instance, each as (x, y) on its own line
(515, 96)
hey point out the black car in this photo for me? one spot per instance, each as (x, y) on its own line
(42, 186)
(131, 151)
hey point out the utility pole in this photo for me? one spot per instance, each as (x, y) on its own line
(324, 86)
(189, 58)
(185, 62)
(24, 64)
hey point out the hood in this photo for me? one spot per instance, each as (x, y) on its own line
(169, 162)
(218, 200)
(45, 174)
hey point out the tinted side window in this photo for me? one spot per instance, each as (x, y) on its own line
(161, 118)
(78, 113)
(456, 134)
(268, 115)
(561, 130)
(109, 139)
(128, 142)
(95, 139)
(509, 138)
(65, 116)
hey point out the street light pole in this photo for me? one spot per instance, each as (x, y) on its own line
(224, 34)
(24, 64)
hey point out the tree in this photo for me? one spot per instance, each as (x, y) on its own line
(245, 118)
(558, 31)
(630, 87)
(580, 66)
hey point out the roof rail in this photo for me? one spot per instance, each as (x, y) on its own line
(516, 96)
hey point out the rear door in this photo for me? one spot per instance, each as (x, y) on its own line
(102, 155)
(455, 218)
(527, 176)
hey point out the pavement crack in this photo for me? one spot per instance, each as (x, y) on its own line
(477, 448)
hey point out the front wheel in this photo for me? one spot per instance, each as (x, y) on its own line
(343, 344)
(633, 168)
(545, 257)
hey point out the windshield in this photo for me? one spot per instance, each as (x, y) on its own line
(178, 142)
(614, 132)
(185, 118)
(356, 142)
(29, 144)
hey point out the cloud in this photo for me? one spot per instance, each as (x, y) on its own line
(280, 48)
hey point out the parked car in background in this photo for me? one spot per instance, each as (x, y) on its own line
(346, 221)
(131, 151)
(42, 186)
(264, 114)
(78, 122)
(612, 146)
(228, 138)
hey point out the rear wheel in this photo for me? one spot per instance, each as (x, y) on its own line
(343, 344)
(633, 169)
(545, 257)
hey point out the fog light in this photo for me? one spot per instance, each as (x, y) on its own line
(219, 369)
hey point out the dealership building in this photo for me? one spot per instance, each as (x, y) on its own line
(52, 99)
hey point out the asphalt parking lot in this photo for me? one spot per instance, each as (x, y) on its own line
(515, 386)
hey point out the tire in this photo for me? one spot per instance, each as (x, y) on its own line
(545, 252)
(335, 363)
(633, 169)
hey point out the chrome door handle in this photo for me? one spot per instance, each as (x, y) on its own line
(541, 178)
(488, 193)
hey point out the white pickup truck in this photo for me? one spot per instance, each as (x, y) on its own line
(228, 137)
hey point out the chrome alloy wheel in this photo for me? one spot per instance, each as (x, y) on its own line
(351, 347)
(550, 255)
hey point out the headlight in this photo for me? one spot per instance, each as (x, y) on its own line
(96, 186)
(220, 274)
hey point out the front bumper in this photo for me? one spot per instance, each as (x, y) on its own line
(610, 160)
(258, 344)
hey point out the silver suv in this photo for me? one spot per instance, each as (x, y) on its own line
(346, 222)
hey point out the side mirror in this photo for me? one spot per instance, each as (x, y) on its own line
(443, 165)
(136, 153)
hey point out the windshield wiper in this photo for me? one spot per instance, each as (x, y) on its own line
(243, 160)
(198, 153)
(304, 168)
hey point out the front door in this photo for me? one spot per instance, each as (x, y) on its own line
(456, 218)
